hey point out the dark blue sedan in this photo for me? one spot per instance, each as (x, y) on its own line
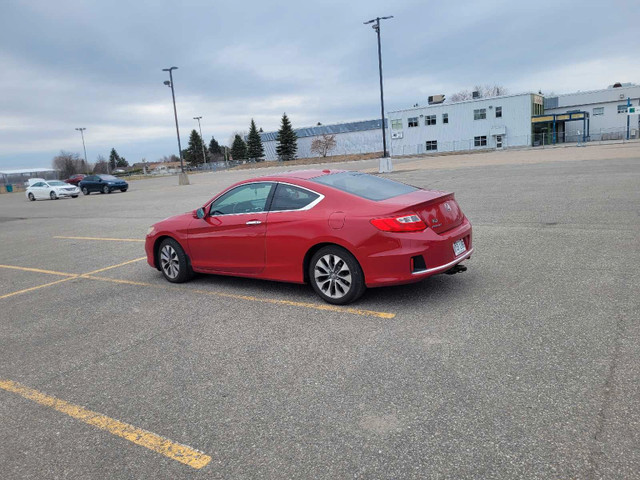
(102, 184)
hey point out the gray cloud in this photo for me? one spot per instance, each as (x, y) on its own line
(98, 64)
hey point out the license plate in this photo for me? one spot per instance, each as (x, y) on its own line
(459, 247)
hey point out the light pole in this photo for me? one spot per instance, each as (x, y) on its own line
(385, 164)
(182, 178)
(81, 130)
(204, 157)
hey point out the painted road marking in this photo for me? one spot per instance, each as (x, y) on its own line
(176, 451)
(38, 270)
(103, 239)
(275, 301)
(115, 266)
(27, 290)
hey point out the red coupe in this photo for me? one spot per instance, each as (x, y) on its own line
(75, 179)
(340, 231)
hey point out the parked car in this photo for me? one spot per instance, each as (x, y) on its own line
(75, 179)
(102, 184)
(53, 189)
(31, 181)
(340, 231)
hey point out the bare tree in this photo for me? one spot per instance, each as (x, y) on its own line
(486, 91)
(68, 164)
(101, 166)
(323, 145)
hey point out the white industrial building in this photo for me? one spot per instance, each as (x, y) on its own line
(351, 138)
(481, 123)
(606, 109)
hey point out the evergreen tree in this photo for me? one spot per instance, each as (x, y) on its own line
(193, 153)
(114, 158)
(122, 162)
(214, 148)
(255, 150)
(287, 141)
(239, 148)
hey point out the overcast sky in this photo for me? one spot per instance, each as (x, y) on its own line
(98, 64)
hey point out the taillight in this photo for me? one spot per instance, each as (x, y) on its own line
(407, 223)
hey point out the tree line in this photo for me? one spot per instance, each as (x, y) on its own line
(197, 152)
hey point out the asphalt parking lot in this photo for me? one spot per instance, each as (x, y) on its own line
(525, 366)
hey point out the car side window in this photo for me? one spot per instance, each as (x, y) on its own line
(288, 197)
(249, 198)
(89, 179)
(39, 184)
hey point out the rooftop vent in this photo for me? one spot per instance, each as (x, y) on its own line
(475, 94)
(435, 99)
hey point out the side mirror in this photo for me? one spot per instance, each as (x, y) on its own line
(200, 213)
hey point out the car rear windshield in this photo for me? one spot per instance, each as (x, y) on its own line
(365, 186)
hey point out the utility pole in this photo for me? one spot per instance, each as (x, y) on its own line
(183, 179)
(204, 156)
(86, 162)
(385, 162)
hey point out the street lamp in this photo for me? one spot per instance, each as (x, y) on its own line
(204, 157)
(81, 130)
(182, 179)
(385, 165)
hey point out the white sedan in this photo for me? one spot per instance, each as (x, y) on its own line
(52, 189)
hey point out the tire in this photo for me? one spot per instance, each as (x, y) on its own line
(105, 189)
(336, 275)
(74, 196)
(53, 196)
(173, 262)
(31, 197)
(85, 191)
(123, 190)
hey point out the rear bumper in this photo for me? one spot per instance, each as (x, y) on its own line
(395, 267)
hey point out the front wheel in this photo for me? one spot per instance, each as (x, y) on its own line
(53, 196)
(105, 189)
(85, 190)
(173, 262)
(123, 190)
(74, 196)
(336, 275)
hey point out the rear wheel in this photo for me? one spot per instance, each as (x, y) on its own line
(85, 190)
(31, 197)
(53, 196)
(336, 276)
(174, 263)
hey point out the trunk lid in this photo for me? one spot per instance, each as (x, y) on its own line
(438, 209)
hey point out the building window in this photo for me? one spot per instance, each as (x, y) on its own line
(396, 124)
(413, 122)
(622, 109)
(480, 114)
(432, 145)
(498, 112)
(445, 118)
(598, 111)
(430, 120)
(480, 141)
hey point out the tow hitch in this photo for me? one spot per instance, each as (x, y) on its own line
(456, 269)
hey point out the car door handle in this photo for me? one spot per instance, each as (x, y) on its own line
(254, 222)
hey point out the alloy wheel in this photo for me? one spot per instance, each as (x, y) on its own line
(169, 261)
(332, 276)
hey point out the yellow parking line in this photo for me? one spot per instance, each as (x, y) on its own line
(27, 290)
(38, 270)
(275, 301)
(182, 453)
(115, 266)
(103, 239)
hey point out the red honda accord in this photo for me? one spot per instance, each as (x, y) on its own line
(340, 231)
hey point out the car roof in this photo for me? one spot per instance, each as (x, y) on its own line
(299, 174)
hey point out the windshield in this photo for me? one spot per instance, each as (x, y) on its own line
(365, 186)
(56, 183)
(108, 177)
